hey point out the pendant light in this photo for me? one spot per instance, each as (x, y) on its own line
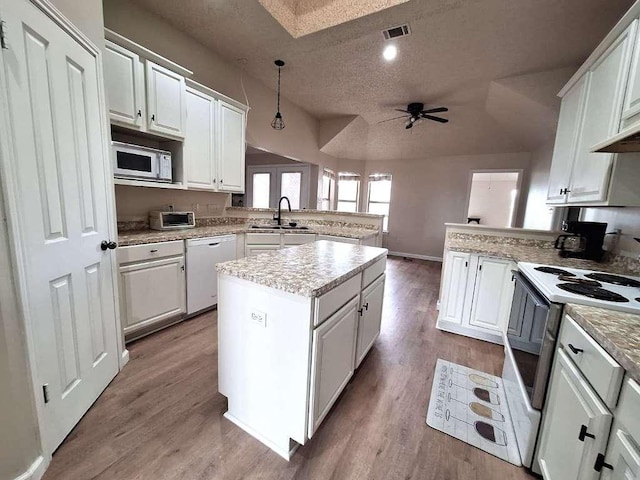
(278, 122)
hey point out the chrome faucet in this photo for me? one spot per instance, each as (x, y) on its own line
(279, 217)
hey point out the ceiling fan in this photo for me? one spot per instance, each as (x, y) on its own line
(415, 112)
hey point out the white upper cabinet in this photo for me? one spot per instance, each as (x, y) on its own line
(566, 140)
(166, 98)
(601, 119)
(124, 83)
(199, 153)
(232, 148)
(594, 109)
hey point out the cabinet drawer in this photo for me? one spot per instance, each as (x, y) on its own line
(299, 238)
(263, 239)
(600, 369)
(334, 299)
(150, 251)
(373, 272)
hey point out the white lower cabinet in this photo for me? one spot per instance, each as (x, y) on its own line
(476, 295)
(575, 427)
(332, 363)
(251, 250)
(152, 287)
(370, 317)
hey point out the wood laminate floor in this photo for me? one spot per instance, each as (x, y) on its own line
(161, 417)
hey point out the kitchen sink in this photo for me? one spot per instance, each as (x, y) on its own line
(280, 227)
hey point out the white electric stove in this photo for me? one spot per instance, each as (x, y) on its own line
(585, 287)
(540, 293)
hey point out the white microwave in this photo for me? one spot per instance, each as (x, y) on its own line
(141, 163)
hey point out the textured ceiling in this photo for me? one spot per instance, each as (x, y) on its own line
(497, 65)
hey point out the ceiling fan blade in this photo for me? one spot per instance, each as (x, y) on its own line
(400, 110)
(436, 119)
(435, 110)
(394, 118)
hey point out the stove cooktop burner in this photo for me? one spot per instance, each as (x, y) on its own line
(582, 281)
(614, 279)
(554, 271)
(593, 292)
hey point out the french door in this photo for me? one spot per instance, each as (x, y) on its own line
(52, 105)
(266, 184)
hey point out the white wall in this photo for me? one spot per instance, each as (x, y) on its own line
(627, 219)
(426, 193)
(491, 201)
(538, 215)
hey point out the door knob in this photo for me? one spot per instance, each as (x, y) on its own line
(108, 245)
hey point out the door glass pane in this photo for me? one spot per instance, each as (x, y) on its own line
(261, 189)
(290, 186)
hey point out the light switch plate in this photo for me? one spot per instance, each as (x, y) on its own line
(259, 317)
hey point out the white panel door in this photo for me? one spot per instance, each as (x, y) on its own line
(232, 148)
(198, 153)
(59, 200)
(151, 292)
(492, 294)
(624, 456)
(454, 290)
(575, 427)
(124, 85)
(166, 98)
(566, 140)
(370, 317)
(601, 119)
(332, 363)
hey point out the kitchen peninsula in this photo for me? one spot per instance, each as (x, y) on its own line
(293, 325)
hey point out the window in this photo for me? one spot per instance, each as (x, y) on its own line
(328, 187)
(291, 187)
(380, 196)
(267, 183)
(348, 190)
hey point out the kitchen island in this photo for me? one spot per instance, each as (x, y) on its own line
(293, 325)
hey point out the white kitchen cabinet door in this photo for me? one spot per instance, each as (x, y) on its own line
(631, 106)
(492, 294)
(332, 363)
(454, 290)
(151, 292)
(569, 121)
(624, 456)
(166, 98)
(370, 317)
(231, 161)
(601, 119)
(124, 84)
(251, 250)
(575, 427)
(198, 152)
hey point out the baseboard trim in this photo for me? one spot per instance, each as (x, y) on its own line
(35, 471)
(450, 327)
(124, 358)
(416, 256)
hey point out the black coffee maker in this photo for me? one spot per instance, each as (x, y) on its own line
(582, 240)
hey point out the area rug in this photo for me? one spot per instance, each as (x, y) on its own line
(470, 405)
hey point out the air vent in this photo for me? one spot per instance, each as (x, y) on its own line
(395, 32)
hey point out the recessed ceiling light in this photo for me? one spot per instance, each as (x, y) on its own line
(390, 52)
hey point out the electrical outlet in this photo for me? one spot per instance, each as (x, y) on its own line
(259, 318)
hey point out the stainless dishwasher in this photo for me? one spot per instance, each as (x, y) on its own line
(202, 279)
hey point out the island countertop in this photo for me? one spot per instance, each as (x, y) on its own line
(308, 270)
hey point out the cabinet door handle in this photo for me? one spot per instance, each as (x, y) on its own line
(182, 268)
(366, 306)
(575, 350)
(584, 434)
(139, 113)
(153, 117)
(153, 250)
(466, 264)
(480, 267)
(601, 463)
(360, 312)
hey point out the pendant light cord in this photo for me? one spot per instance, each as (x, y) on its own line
(278, 109)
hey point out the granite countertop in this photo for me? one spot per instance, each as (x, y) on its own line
(617, 332)
(308, 270)
(532, 251)
(139, 237)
